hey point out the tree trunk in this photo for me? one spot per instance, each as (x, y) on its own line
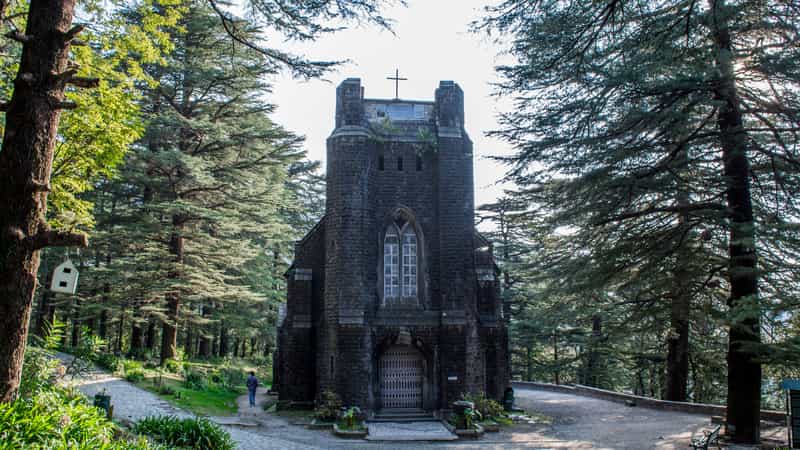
(677, 373)
(744, 370)
(594, 365)
(556, 371)
(204, 349)
(150, 341)
(223, 340)
(104, 300)
(44, 319)
(169, 331)
(188, 346)
(76, 325)
(529, 362)
(31, 122)
(103, 328)
(120, 331)
(136, 339)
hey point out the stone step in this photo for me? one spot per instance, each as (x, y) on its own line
(403, 415)
(409, 431)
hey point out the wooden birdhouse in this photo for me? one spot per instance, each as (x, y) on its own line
(65, 278)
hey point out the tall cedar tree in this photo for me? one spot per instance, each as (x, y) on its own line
(213, 166)
(26, 158)
(643, 123)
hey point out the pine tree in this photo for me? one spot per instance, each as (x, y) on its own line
(639, 126)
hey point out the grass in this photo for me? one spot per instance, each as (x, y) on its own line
(211, 401)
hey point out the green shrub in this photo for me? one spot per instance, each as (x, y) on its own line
(352, 418)
(129, 364)
(166, 390)
(172, 366)
(328, 407)
(232, 378)
(487, 407)
(194, 433)
(108, 361)
(195, 379)
(58, 419)
(38, 370)
(134, 375)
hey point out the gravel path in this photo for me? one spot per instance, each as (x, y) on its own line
(577, 422)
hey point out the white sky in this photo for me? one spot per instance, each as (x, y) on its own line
(432, 43)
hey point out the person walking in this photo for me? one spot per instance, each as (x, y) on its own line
(252, 385)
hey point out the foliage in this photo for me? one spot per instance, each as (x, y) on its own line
(351, 418)
(38, 371)
(58, 419)
(109, 361)
(39, 365)
(230, 377)
(195, 379)
(173, 365)
(133, 370)
(487, 407)
(166, 390)
(328, 407)
(193, 433)
(134, 375)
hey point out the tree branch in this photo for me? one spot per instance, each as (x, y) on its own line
(84, 82)
(19, 37)
(51, 238)
(667, 209)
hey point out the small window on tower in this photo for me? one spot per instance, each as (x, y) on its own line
(419, 163)
(400, 163)
(380, 162)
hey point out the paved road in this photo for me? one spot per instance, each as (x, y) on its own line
(576, 422)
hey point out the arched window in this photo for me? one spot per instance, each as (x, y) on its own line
(400, 262)
(409, 263)
(391, 263)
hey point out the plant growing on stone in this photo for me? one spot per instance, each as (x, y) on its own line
(487, 407)
(470, 415)
(352, 418)
(328, 407)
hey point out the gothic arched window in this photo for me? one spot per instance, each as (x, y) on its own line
(391, 264)
(400, 262)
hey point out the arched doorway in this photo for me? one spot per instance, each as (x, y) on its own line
(401, 374)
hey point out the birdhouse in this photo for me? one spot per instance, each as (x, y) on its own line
(65, 278)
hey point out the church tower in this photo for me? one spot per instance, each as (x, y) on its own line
(393, 299)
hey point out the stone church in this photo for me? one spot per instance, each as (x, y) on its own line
(393, 297)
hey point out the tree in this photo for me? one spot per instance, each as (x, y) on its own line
(637, 125)
(32, 118)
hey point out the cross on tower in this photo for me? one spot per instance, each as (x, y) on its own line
(397, 81)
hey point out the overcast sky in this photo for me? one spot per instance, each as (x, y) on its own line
(431, 43)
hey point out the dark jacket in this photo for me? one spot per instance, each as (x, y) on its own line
(252, 383)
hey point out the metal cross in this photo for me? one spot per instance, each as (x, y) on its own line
(397, 81)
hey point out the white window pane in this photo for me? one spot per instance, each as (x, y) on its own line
(409, 263)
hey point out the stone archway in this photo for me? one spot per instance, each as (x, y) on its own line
(401, 371)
